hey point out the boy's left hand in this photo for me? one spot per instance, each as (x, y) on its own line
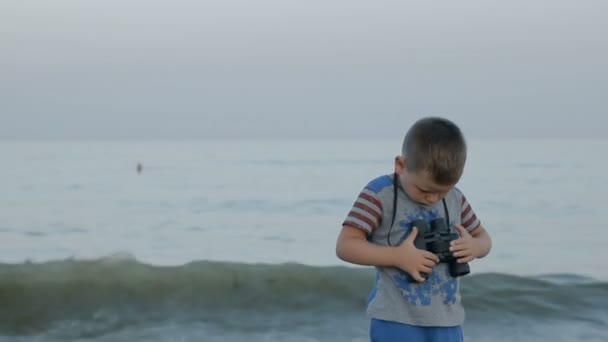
(466, 248)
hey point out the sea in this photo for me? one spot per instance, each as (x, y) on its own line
(234, 240)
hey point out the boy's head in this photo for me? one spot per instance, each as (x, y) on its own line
(432, 159)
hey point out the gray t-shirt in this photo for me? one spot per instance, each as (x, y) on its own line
(396, 298)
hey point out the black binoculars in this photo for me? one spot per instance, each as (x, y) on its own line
(436, 239)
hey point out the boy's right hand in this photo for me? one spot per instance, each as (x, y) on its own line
(413, 260)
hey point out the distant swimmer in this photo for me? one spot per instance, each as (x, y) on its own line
(140, 168)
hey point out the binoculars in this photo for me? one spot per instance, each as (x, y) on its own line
(436, 239)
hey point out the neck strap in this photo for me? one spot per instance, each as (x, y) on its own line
(396, 186)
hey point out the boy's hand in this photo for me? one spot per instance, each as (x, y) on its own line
(466, 248)
(413, 260)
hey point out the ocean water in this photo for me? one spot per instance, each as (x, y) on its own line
(234, 240)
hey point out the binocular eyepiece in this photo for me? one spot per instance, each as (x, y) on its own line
(436, 239)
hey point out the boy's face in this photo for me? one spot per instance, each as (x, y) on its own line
(420, 186)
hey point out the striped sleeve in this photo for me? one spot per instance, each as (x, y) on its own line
(467, 215)
(366, 213)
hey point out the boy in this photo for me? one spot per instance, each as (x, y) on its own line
(415, 298)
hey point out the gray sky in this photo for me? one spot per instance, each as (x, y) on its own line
(119, 69)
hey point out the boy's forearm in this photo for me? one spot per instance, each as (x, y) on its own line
(362, 252)
(484, 242)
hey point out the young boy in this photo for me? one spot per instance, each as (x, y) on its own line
(415, 298)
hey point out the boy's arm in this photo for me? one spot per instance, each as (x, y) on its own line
(352, 246)
(483, 241)
(471, 245)
(474, 241)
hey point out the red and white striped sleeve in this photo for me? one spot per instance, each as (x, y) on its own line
(366, 213)
(467, 215)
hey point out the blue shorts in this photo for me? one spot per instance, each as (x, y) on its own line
(385, 331)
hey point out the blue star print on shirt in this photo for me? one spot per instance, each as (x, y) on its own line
(439, 285)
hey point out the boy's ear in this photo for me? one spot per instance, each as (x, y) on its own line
(399, 164)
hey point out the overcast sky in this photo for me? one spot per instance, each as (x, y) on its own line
(119, 69)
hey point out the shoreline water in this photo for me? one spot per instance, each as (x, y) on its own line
(93, 226)
(75, 299)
